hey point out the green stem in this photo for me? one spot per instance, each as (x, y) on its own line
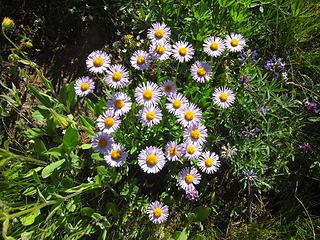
(15, 46)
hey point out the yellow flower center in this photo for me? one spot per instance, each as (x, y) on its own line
(116, 154)
(160, 50)
(168, 88)
(159, 33)
(147, 94)
(209, 162)
(157, 212)
(108, 122)
(214, 46)
(189, 178)
(102, 143)
(150, 115)
(177, 103)
(223, 97)
(201, 71)
(152, 159)
(173, 151)
(183, 51)
(116, 76)
(84, 86)
(195, 134)
(118, 103)
(98, 62)
(189, 115)
(140, 60)
(234, 42)
(191, 149)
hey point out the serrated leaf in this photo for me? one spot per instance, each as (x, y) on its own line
(48, 170)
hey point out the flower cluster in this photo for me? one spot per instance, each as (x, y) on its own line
(148, 95)
(275, 64)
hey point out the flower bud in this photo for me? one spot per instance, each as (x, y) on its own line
(7, 23)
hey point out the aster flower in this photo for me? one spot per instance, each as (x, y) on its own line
(119, 103)
(176, 101)
(235, 42)
(83, 86)
(311, 106)
(182, 51)
(192, 194)
(173, 151)
(201, 72)
(102, 142)
(148, 94)
(159, 33)
(140, 60)
(117, 76)
(168, 87)
(305, 147)
(191, 151)
(195, 133)
(98, 62)
(160, 51)
(116, 156)
(209, 162)
(188, 178)
(250, 176)
(108, 122)
(158, 212)
(151, 159)
(150, 116)
(223, 97)
(189, 114)
(213, 46)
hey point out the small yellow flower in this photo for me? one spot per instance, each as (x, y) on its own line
(7, 23)
(61, 121)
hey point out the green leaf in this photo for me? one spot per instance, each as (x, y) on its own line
(45, 99)
(198, 237)
(86, 146)
(29, 219)
(183, 235)
(39, 147)
(48, 170)
(88, 124)
(71, 138)
(26, 235)
(201, 213)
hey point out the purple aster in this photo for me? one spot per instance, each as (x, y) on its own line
(305, 147)
(192, 194)
(250, 176)
(312, 107)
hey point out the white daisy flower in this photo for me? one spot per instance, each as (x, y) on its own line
(196, 134)
(189, 177)
(151, 159)
(98, 62)
(140, 60)
(182, 51)
(213, 46)
(201, 72)
(223, 97)
(148, 94)
(160, 51)
(191, 151)
(173, 151)
(108, 122)
(117, 76)
(120, 103)
(83, 86)
(209, 162)
(102, 142)
(189, 114)
(176, 102)
(116, 156)
(158, 212)
(168, 87)
(159, 33)
(150, 116)
(235, 42)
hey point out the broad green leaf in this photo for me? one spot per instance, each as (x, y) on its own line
(45, 99)
(39, 147)
(29, 219)
(201, 213)
(48, 170)
(71, 138)
(183, 235)
(198, 237)
(27, 235)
